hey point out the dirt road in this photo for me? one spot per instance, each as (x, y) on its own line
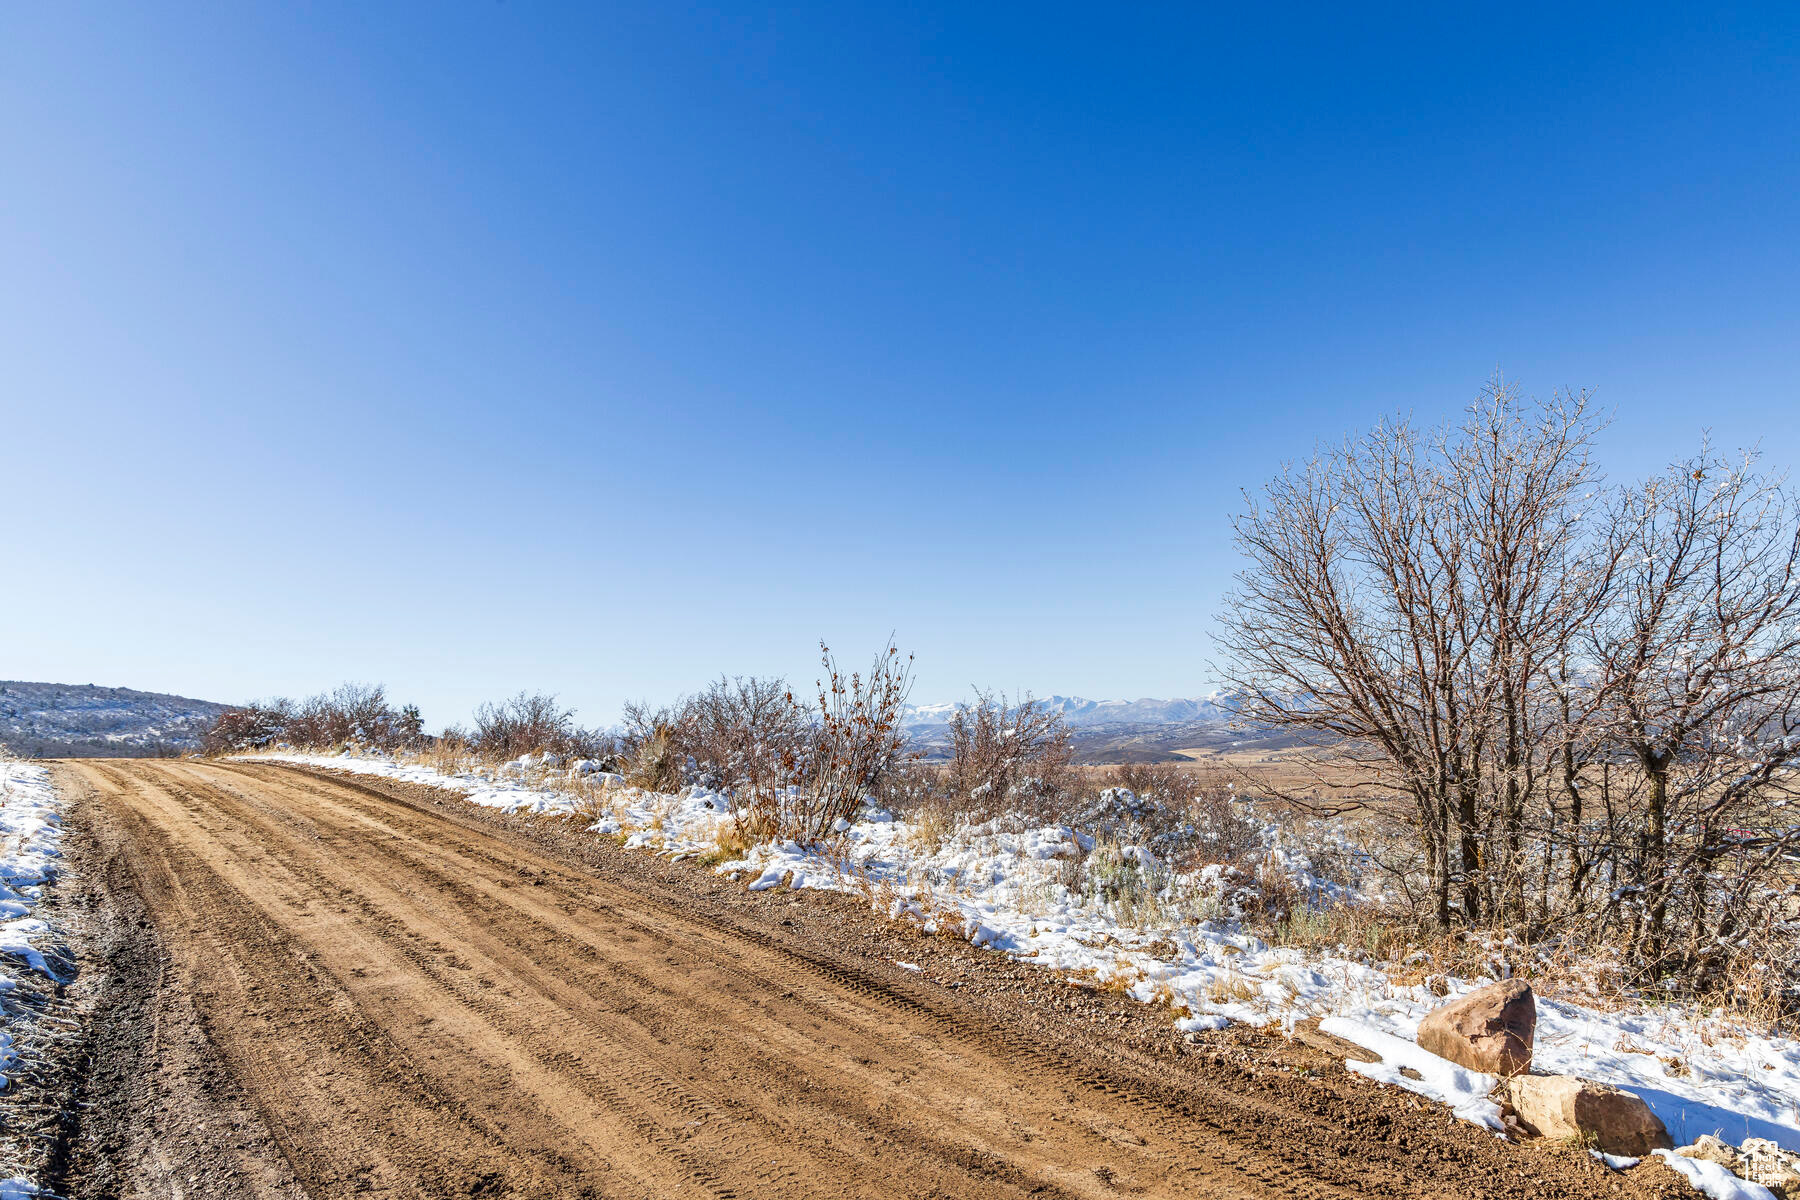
(359, 989)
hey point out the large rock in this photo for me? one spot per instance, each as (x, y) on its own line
(1488, 1030)
(1594, 1114)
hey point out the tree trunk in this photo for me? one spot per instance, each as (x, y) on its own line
(1656, 855)
(1468, 821)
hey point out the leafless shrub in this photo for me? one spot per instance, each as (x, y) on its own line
(313, 724)
(788, 769)
(653, 749)
(746, 737)
(1221, 831)
(532, 723)
(1188, 815)
(855, 743)
(350, 715)
(914, 788)
(1009, 758)
(1168, 784)
(255, 726)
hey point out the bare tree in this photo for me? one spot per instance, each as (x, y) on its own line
(1587, 697)
(1352, 630)
(1408, 597)
(1698, 674)
(1528, 493)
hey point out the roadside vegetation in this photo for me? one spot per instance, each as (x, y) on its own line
(351, 715)
(1579, 699)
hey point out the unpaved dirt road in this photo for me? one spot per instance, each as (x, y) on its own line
(333, 987)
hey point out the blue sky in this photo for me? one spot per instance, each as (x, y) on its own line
(601, 349)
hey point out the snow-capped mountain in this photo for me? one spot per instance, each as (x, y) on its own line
(65, 720)
(1082, 713)
(1109, 730)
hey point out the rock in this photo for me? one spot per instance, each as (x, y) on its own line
(1308, 1033)
(1711, 1149)
(1488, 1030)
(1594, 1114)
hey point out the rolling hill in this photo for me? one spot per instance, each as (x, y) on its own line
(65, 720)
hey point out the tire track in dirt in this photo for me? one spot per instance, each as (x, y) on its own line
(528, 921)
(776, 976)
(780, 980)
(773, 981)
(421, 1003)
(543, 1020)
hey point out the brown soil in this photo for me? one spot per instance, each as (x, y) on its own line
(317, 985)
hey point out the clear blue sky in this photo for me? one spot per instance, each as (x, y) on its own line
(599, 349)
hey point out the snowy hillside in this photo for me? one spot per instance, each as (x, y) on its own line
(62, 720)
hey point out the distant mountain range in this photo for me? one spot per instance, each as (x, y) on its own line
(60, 720)
(1081, 713)
(1115, 730)
(66, 720)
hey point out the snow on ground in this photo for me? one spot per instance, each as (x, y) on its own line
(1714, 1180)
(30, 834)
(30, 837)
(1008, 888)
(1465, 1091)
(503, 789)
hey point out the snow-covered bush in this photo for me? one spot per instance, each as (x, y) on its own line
(652, 752)
(1186, 816)
(255, 726)
(353, 714)
(1008, 758)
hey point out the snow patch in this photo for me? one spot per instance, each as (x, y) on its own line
(1406, 1065)
(1202, 1024)
(1713, 1179)
(30, 858)
(30, 853)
